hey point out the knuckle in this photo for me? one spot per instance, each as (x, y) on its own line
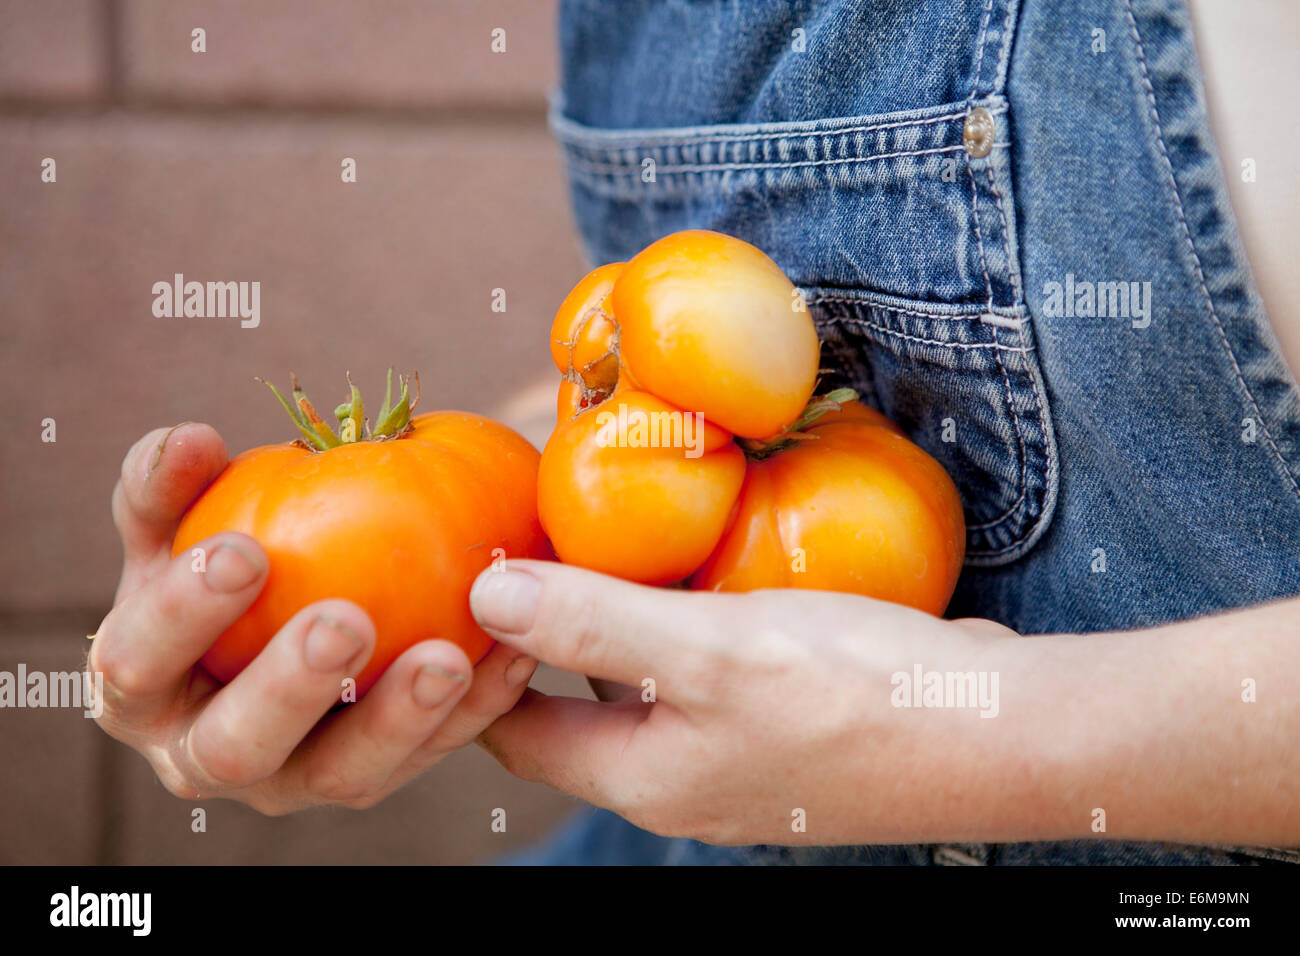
(575, 628)
(168, 605)
(221, 761)
(125, 674)
(330, 783)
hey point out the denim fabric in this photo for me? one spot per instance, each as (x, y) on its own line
(1117, 470)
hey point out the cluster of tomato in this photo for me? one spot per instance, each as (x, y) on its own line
(690, 445)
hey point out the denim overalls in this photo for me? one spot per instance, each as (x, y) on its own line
(1011, 228)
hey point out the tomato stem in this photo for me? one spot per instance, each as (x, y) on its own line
(394, 420)
(832, 401)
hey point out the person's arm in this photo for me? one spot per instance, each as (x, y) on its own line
(268, 737)
(781, 706)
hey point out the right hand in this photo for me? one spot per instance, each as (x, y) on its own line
(267, 738)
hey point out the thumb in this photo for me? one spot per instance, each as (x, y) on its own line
(600, 626)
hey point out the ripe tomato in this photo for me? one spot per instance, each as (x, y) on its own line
(709, 323)
(401, 526)
(584, 338)
(856, 508)
(703, 330)
(617, 499)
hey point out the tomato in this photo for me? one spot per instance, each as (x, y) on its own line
(584, 339)
(616, 497)
(400, 525)
(856, 507)
(689, 446)
(709, 323)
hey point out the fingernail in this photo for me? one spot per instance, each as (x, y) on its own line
(505, 601)
(161, 447)
(229, 569)
(520, 670)
(330, 644)
(434, 684)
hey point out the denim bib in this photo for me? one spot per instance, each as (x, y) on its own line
(1010, 226)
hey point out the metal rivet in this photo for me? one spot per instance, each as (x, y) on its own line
(977, 134)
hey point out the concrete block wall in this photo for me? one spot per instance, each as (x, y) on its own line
(225, 165)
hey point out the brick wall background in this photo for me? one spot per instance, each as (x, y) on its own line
(225, 165)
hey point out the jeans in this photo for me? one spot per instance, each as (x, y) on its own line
(1010, 224)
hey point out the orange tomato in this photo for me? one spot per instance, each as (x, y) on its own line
(778, 490)
(618, 493)
(709, 323)
(584, 337)
(855, 508)
(400, 526)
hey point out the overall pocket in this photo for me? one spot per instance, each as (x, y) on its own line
(966, 387)
(899, 230)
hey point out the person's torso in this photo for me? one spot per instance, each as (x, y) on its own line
(1010, 226)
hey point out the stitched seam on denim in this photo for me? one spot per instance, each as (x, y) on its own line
(1011, 408)
(644, 138)
(869, 324)
(624, 169)
(979, 62)
(979, 240)
(1005, 516)
(1015, 420)
(1017, 293)
(1040, 401)
(1019, 503)
(1191, 246)
(1018, 543)
(1014, 313)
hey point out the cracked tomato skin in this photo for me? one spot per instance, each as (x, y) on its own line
(709, 323)
(858, 509)
(400, 527)
(584, 336)
(646, 514)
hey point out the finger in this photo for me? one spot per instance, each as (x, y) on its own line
(161, 476)
(355, 753)
(600, 626)
(150, 641)
(577, 746)
(499, 681)
(250, 726)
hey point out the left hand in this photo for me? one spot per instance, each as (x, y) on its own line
(750, 711)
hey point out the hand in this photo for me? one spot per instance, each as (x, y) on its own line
(765, 704)
(267, 738)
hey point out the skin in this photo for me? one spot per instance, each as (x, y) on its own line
(776, 700)
(765, 702)
(267, 739)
